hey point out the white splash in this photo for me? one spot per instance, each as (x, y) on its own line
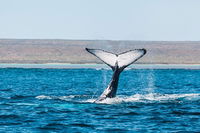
(67, 98)
(141, 98)
(151, 82)
(43, 97)
(148, 98)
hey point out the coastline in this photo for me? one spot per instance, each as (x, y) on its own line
(98, 66)
(41, 51)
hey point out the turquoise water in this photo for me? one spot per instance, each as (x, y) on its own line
(99, 66)
(61, 100)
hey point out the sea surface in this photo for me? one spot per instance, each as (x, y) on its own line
(37, 100)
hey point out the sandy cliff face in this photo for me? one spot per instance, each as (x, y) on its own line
(73, 51)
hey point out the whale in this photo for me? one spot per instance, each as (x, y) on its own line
(117, 62)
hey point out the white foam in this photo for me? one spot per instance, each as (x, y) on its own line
(89, 101)
(151, 97)
(60, 97)
(43, 97)
(143, 98)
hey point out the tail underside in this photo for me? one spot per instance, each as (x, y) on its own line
(122, 60)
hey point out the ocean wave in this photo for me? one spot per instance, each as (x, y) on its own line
(17, 97)
(144, 98)
(148, 98)
(10, 116)
(61, 97)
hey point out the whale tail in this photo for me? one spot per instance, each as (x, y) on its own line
(122, 60)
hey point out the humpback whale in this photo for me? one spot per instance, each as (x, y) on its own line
(117, 62)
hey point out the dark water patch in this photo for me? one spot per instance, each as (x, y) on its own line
(107, 118)
(29, 121)
(41, 112)
(118, 130)
(185, 113)
(51, 127)
(168, 121)
(159, 118)
(60, 119)
(6, 90)
(11, 116)
(133, 106)
(128, 114)
(10, 124)
(19, 97)
(98, 108)
(81, 125)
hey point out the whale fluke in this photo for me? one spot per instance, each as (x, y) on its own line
(123, 59)
(117, 62)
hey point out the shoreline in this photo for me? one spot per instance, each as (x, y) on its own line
(98, 66)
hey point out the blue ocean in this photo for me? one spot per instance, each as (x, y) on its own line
(34, 100)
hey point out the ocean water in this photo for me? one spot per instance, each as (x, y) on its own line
(62, 100)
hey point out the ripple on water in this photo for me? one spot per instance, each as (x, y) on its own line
(52, 126)
(10, 116)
